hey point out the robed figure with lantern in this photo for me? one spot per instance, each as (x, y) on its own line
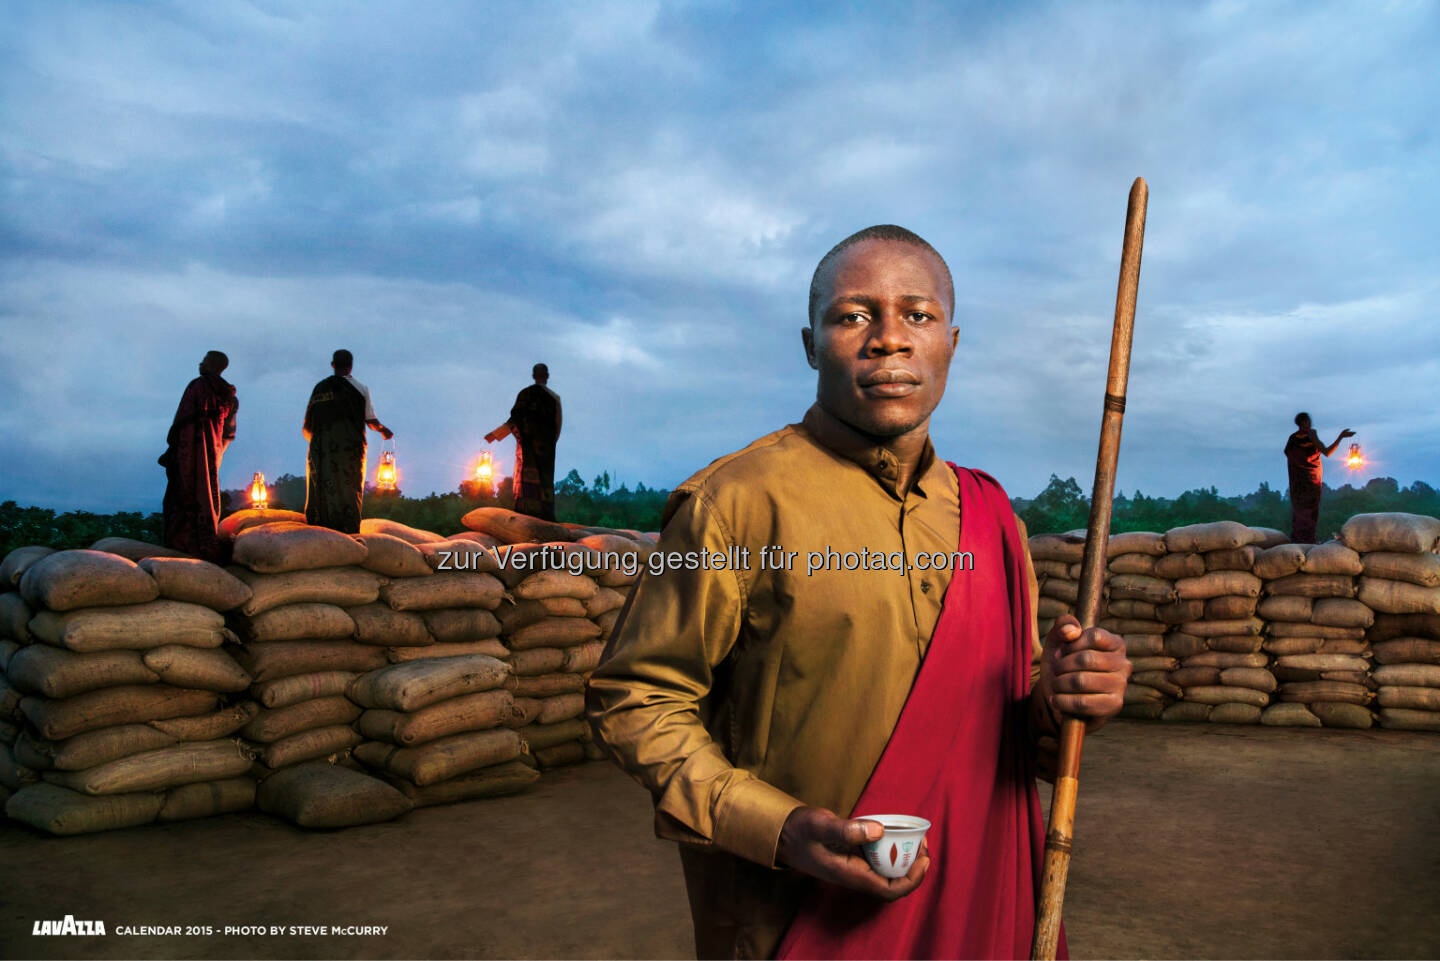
(203, 427)
(335, 422)
(535, 422)
(1303, 451)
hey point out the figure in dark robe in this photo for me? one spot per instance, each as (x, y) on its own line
(204, 426)
(335, 422)
(535, 422)
(1303, 451)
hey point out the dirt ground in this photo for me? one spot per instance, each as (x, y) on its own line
(1198, 841)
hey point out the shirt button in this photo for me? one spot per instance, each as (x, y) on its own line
(924, 587)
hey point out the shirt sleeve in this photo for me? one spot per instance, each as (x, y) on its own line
(645, 700)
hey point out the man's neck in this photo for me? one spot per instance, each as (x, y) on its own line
(908, 448)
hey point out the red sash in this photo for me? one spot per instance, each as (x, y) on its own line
(958, 757)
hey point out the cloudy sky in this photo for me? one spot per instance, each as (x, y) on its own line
(637, 193)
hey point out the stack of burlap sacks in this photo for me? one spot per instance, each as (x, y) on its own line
(565, 586)
(1400, 581)
(120, 704)
(1136, 593)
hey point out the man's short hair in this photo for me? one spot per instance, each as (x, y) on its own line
(878, 232)
(218, 358)
(539, 370)
(1300, 417)
(343, 360)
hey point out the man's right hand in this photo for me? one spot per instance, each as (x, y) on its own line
(1347, 432)
(823, 845)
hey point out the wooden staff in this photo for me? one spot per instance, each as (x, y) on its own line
(1092, 573)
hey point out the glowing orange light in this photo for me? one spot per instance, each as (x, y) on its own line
(259, 493)
(1355, 460)
(485, 474)
(385, 474)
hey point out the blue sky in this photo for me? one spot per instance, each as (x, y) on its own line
(637, 194)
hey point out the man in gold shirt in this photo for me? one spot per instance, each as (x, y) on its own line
(754, 702)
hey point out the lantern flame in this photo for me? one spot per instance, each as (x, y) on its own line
(385, 474)
(259, 493)
(486, 477)
(1355, 460)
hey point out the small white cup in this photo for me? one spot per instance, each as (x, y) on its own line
(898, 847)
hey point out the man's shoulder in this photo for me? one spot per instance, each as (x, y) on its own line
(750, 469)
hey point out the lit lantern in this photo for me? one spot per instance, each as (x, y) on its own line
(485, 472)
(385, 474)
(1354, 460)
(259, 493)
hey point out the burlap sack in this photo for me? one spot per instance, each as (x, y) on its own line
(1133, 564)
(605, 600)
(1292, 645)
(1407, 650)
(546, 685)
(1127, 625)
(391, 556)
(320, 795)
(17, 562)
(90, 749)
(268, 661)
(1342, 612)
(561, 707)
(1218, 584)
(490, 647)
(1232, 559)
(404, 532)
(1180, 644)
(1289, 715)
(1411, 698)
(1403, 533)
(1229, 607)
(583, 658)
(1241, 625)
(194, 581)
(1388, 597)
(1390, 626)
(309, 746)
(273, 724)
(556, 584)
(64, 812)
(537, 660)
(1223, 694)
(133, 627)
(1135, 542)
(538, 737)
(1143, 645)
(1057, 547)
(1159, 680)
(497, 780)
(1281, 561)
(1270, 537)
(54, 672)
(383, 625)
(1287, 607)
(1407, 675)
(1332, 557)
(158, 770)
(294, 622)
(570, 752)
(208, 798)
(462, 625)
(1195, 676)
(340, 586)
(15, 617)
(1175, 566)
(111, 706)
(1140, 610)
(1252, 677)
(208, 727)
(1420, 569)
(197, 668)
(1136, 587)
(484, 540)
(1352, 716)
(1324, 662)
(447, 556)
(1063, 590)
(1396, 719)
(1290, 629)
(1180, 612)
(1235, 643)
(1331, 645)
(1187, 712)
(231, 526)
(447, 589)
(508, 527)
(277, 548)
(1045, 568)
(1154, 663)
(302, 687)
(443, 758)
(411, 686)
(456, 715)
(1235, 713)
(1223, 659)
(1313, 585)
(525, 711)
(1051, 608)
(1214, 536)
(554, 632)
(1142, 710)
(1316, 692)
(68, 580)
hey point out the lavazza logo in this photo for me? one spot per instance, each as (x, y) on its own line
(69, 926)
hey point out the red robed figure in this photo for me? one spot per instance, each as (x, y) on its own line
(203, 427)
(959, 757)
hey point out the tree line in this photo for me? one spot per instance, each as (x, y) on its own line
(1061, 506)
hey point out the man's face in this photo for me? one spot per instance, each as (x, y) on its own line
(882, 339)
